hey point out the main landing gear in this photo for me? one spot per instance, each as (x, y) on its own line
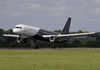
(34, 44)
(35, 47)
(53, 46)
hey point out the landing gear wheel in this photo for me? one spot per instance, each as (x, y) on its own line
(53, 46)
(35, 47)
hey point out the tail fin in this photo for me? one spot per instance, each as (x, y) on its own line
(66, 27)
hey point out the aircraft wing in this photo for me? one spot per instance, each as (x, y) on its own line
(9, 35)
(79, 35)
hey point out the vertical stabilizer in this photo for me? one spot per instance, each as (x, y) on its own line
(66, 27)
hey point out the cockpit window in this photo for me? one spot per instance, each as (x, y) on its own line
(19, 27)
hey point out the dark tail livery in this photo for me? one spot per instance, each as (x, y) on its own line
(66, 27)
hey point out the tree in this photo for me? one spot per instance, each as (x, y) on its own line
(1, 42)
(90, 44)
(9, 39)
(97, 35)
(76, 41)
(59, 31)
(79, 31)
(10, 31)
(85, 32)
(1, 33)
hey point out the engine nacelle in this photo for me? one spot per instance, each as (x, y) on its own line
(54, 39)
(22, 40)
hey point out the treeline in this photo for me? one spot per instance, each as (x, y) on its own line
(9, 42)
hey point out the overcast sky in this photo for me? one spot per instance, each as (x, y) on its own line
(51, 14)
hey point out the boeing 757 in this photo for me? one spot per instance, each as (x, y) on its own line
(25, 32)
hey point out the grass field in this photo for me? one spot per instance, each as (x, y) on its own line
(49, 59)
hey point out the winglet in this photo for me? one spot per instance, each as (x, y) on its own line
(66, 27)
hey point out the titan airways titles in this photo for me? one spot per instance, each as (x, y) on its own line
(25, 32)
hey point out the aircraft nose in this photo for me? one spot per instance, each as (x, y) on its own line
(15, 31)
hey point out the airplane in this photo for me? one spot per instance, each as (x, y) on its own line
(24, 32)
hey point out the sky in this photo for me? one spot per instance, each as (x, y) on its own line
(51, 14)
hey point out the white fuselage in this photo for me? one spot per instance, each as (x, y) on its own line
(26, 30)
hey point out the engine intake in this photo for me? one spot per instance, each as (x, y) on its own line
(53, 39)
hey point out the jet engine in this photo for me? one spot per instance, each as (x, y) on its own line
(22, 40)
(54, 39)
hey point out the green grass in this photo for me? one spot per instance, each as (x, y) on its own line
(49, 59)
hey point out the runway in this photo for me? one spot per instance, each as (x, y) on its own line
(53, 49)
(72, 49)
